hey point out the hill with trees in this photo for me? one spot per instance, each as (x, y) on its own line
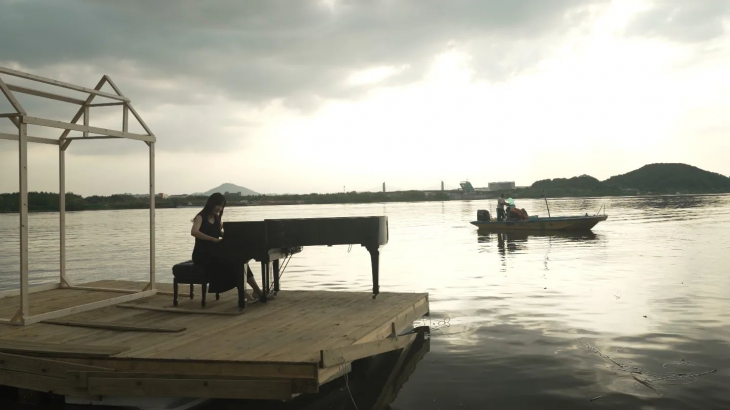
(670, 179)
(584, 185)
(647, 180)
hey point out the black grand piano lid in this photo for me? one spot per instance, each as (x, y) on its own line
(364, 230)
(285, 233)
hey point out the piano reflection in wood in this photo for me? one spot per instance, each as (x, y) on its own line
(271, 240)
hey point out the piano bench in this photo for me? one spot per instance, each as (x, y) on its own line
(189, 273)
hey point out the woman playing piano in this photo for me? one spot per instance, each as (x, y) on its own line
(207, 230)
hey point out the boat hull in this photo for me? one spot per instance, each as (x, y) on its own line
(564, 223)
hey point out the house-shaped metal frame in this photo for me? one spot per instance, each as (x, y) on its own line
(21, 119)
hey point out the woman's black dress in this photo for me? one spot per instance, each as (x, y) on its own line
(222, 274)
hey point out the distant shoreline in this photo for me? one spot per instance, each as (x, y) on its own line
(653, 180)
(463, 198)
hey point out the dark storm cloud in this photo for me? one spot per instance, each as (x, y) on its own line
(258, 51)
(682, 21)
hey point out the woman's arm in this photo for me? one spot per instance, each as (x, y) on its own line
(195, 231)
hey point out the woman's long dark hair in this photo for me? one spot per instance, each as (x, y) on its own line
(213, 201)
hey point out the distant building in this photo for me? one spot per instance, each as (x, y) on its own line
(232, 194)
(163, 196)
(501, 186)
(466, 186)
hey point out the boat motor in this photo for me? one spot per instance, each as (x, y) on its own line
(483, 215)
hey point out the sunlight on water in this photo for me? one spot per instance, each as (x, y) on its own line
(531, 318)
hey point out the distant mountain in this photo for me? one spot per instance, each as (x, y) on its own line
(230, 188)
(671, 178)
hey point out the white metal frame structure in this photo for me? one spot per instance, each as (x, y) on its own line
(21, 119)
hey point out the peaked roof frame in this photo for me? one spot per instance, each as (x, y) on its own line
(21, 119)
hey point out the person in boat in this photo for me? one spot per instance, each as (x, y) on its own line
(501, 203)
(207, 230)
(514, 213)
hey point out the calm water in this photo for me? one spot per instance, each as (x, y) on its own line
(524, 322)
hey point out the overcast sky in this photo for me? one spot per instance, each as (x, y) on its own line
(310, 96)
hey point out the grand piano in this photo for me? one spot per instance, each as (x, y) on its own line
(271, 240)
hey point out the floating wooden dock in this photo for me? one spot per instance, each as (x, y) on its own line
(147, 348)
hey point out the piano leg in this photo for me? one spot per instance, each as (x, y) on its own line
(265, 280)
(375, 261)
(241, 286)
(276, 276)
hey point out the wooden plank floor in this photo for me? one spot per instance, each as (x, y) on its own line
(281, 339)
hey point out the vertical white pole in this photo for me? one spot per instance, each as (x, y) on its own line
(152, 215)
(62, 210)
(86, 119)
(23, 208)
(125, 118)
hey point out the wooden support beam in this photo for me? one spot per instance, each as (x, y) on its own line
(125, 118)
(11, 98)
(13, 137)
(402, 371)
(23, 208)
(86, 122)
(331, 373)
(116, 327)
(81, 378)
(198, 388)
(95, 289)
(35, 382)
(57, 349)
(152, 214)
(61, 84)
(62, 211)
(179, 310)
(80, 112)
(84, 128)
(389, 387)
(88, 306)
(139, 119)
(17, 318)
(106, 104)
(113, 86)
(100, 137)
(15, 121)
(44, 94)
(345, 354)
(10, 115)
(65, 144)
(231, 369)
(127, 107)
(44, 367)
(65, 283)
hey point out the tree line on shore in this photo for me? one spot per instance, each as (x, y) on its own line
(650, 179)
(49, 201)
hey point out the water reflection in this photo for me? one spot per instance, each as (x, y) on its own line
(648, 287)
(677, 202)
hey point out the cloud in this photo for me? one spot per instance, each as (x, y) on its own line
(685, 21)
(255, 52)
(198, 71)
